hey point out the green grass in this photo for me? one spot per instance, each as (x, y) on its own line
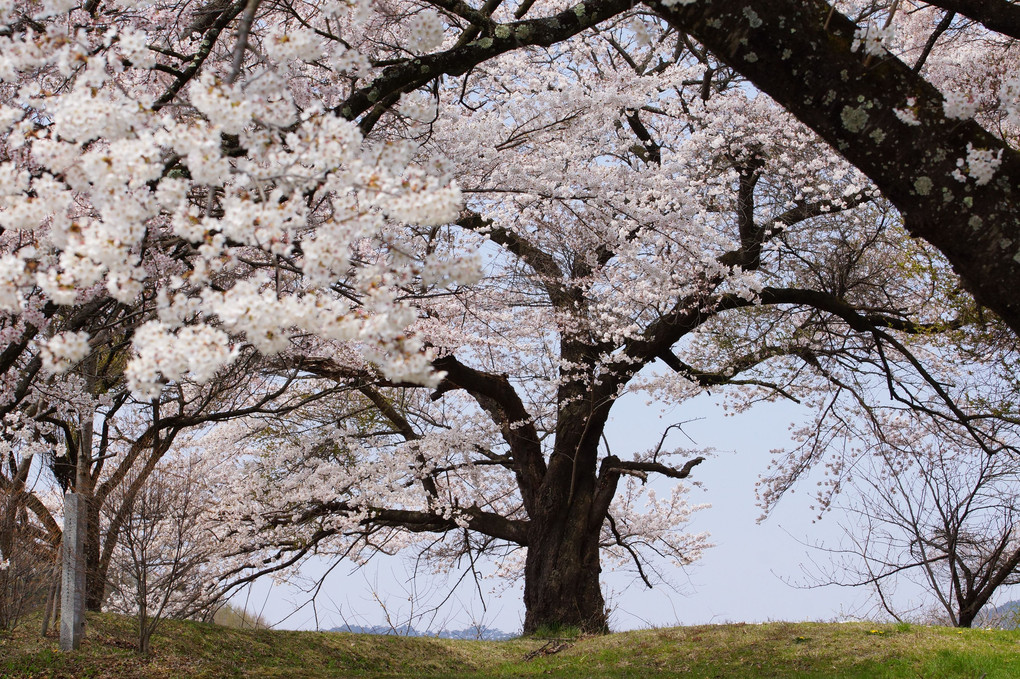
(787, 650)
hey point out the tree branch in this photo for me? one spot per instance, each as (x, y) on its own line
(943, 26)
(204, 50)
(497, 397)
(799, 53)
(546, 31)
(630, 550)
(493, 525)
(995, 15)
(404, 428)
(614, 464)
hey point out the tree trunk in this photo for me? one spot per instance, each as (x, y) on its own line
(561, 574)
(52, 598)
(95, 582)
(967, 614)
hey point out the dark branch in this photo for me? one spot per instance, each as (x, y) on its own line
(497, 397)
(943, 26)
(617, 465)
(414, 73)
(799, 53)
(493, 525)
(630, 550)
(996, 15)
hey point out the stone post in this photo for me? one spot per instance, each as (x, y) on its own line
(72, 586)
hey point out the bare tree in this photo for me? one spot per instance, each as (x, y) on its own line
(26, 566)
(941, 514)
(29, 542)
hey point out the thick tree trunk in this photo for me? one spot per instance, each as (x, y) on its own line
(561, 575)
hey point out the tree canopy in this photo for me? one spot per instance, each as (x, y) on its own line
(407, 255)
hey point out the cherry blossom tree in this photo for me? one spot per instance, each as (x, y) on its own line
(163, 565)
(316, 188)
(116, 218)
(698, 226)
(823, 66)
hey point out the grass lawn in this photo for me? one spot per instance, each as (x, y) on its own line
(786, 650)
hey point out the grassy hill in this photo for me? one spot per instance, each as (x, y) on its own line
(186, 649)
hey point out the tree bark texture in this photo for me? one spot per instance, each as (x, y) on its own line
(561, 579)
(561, 574)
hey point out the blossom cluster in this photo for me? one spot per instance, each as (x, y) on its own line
(873, 40)
(101, 177)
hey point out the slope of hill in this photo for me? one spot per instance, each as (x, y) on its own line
(801, 650)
